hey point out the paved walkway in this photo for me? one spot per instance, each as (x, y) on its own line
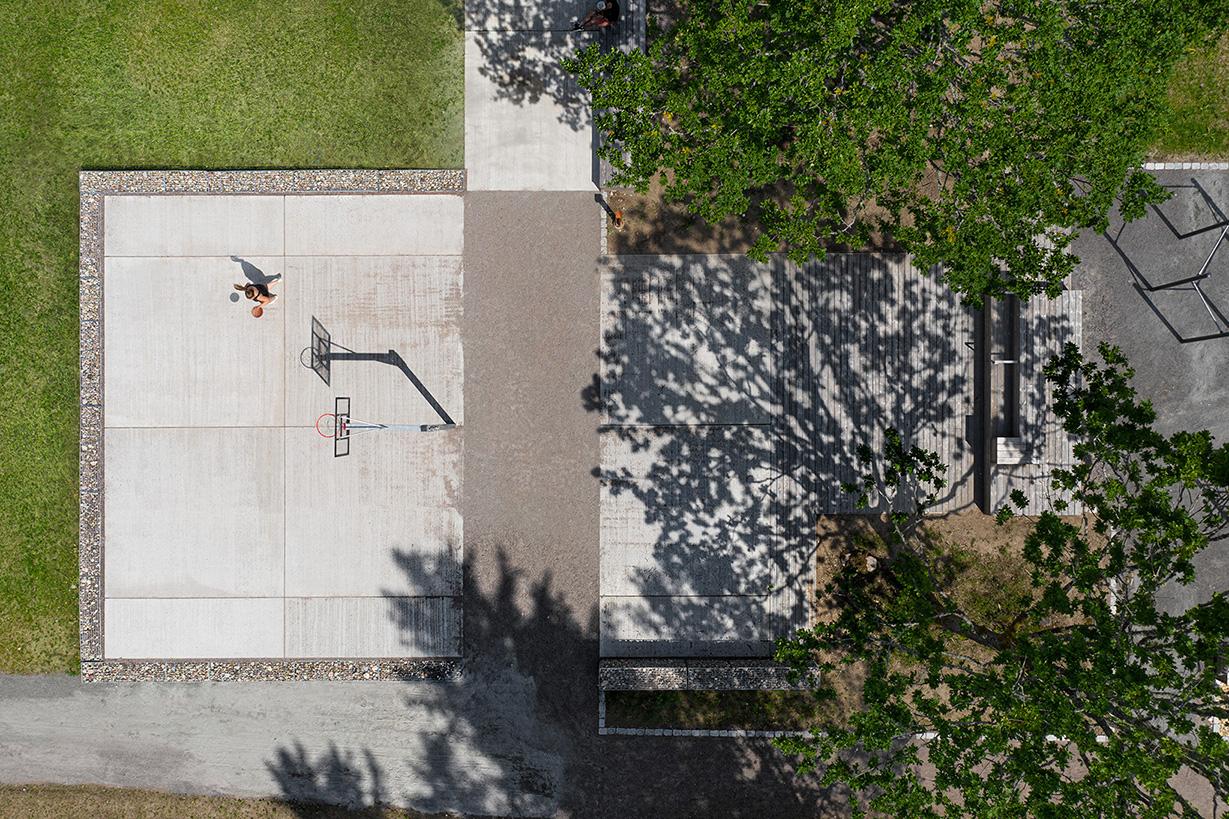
(528, 125)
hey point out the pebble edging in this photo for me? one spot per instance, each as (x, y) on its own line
(274, 182)
(705, 674)
(93, 187)
(270, 670)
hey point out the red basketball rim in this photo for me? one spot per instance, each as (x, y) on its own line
(326, 425)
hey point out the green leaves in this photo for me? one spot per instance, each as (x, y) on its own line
(1084, 697)
(978, 137)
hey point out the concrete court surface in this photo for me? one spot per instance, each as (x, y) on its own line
(1187, 383)
(231, 531)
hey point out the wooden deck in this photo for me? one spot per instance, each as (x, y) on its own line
(877, 344)
(735, 397)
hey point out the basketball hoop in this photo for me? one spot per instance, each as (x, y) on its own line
(338, 426)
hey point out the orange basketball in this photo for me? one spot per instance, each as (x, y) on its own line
(258, 311)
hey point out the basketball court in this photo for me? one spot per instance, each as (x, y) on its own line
(242, 520)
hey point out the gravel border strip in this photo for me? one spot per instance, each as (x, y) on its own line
(90, 455)
(1186, 166)
(603, 247)
(251, 670)
(93, 186)
(694, 674)
(273, 182)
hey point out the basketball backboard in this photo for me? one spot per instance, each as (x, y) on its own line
(321, 345)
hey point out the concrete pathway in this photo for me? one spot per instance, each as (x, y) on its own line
(528, 126)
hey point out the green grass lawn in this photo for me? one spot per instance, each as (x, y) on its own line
(190, 84)
(1198, 125)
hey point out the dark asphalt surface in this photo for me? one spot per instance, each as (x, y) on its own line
(1186, 381)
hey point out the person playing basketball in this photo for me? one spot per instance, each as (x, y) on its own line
(258, 293)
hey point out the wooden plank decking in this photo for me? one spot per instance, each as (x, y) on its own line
(734, 400)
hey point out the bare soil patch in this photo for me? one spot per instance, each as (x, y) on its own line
(652, 225)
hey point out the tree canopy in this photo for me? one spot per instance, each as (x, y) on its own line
(976, 134)
(1082, 696)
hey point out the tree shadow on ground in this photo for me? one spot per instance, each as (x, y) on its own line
(343, 779)
(734, 397)
(521, 47)
(516, 735)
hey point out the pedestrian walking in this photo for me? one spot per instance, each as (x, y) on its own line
(604, 15)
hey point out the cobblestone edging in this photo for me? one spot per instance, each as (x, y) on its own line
(694, 674)
(603, 730)
(1186, 166)
(93, 186)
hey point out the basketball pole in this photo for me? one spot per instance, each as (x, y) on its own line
(368, 426)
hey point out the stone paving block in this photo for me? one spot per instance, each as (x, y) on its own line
(383, 521)
(194, 513)
(408, 304)
(373, 627)
(684, 512)
(689, 340)
(684, 626)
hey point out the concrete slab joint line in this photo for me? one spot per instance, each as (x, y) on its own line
(216, 227)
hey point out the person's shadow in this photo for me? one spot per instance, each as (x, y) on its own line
(253, 274)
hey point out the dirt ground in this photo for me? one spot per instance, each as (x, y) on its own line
(652, 225)
(57, 801)
(987, 573)
(716, 710)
